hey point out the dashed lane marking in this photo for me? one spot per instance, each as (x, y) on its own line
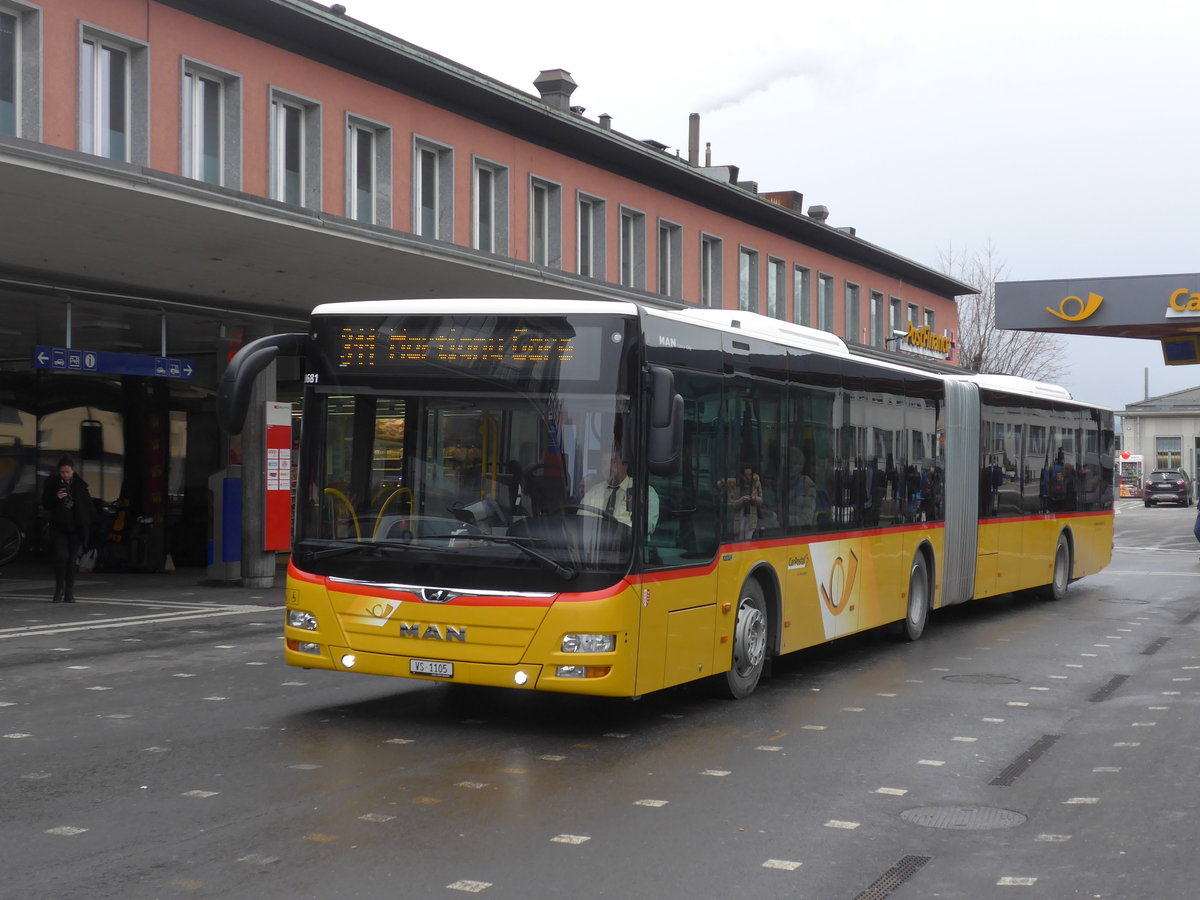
(177, 612)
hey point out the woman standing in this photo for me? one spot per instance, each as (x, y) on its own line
(66, 498)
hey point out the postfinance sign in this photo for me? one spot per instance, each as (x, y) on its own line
(924, 338)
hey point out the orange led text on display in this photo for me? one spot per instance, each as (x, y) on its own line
(361, 347)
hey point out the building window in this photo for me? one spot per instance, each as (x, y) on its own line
(295, 170)
(20, 70)
(914, 315)
(878, 322)
(825, 302)
(711, 253)
(368, 172)
(202, 114)
(802, 295)
(1168, 452)
(545, 223)
(747, 279)
(633, 248)
(776, 288)
(590, 245)
(929, 320)
(853, 313)
(670, 259)
(895, 315)
(211, 117)
(490, 226)
(114, 98)
(433, 190)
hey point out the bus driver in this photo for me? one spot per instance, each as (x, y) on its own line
(615, 496)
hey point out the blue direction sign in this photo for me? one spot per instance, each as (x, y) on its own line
(71, 359)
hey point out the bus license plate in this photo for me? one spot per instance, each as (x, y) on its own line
(429, 667)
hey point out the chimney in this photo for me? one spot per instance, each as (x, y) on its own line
(694, 139)
(556, 87)
(820, 213)
(605, 121)
(708, 154)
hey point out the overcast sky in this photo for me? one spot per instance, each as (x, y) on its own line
(1064, 133)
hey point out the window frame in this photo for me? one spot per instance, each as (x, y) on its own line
(308, 193)
(877, 319)
(497, 177)
(802, 309)
(748, 279)
(380, 169)
(545, 216)
(426, 151)
(632, 248)
(229, 123)
(590, 242)
(670, 259)
(852, 294)
(777, 291)
(94, 110)
(712, 265)
(26, 74)
(826, 302)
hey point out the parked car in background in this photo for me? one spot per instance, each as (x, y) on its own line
(1168, 485)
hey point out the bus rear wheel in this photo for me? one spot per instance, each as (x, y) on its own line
(917, 612)
(749, 645)
(1057, 588)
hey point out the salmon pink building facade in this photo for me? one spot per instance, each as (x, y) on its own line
(191, 174)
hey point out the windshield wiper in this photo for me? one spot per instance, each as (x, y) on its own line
(564, 572)
(344, 548)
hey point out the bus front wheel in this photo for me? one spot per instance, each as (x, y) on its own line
(749, 644)
(917, 612)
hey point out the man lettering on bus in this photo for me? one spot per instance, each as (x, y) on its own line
(615, 497)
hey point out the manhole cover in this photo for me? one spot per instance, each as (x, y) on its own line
(982, 679)
(966, 818)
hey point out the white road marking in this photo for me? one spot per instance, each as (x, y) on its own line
(177, 612)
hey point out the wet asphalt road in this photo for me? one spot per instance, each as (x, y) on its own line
(152, 744)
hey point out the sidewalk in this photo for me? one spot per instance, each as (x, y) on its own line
(30, 580)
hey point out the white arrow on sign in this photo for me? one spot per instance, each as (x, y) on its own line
(42, 357)
(187, 369)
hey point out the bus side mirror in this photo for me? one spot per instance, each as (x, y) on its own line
(233, 394)
(664, 442)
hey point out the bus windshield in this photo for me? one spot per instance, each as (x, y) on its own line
(453, 470)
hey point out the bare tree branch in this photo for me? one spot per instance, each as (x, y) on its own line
(982, 347)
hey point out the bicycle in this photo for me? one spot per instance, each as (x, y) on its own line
(11, 540)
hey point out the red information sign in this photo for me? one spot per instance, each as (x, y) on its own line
(277, 531)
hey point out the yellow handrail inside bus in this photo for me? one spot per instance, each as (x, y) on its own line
(491, 452)
(334, 492)
(383, 509)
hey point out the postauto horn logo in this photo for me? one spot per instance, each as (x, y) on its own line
(1074, 309)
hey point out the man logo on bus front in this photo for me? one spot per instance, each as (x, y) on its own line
(437, 595)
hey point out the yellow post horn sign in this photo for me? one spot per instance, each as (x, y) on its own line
(1082, 310)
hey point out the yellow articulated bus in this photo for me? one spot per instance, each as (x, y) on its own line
(607, 498)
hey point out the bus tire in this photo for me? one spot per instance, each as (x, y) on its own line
(916, 614)
(749, 644)
(1061, 577)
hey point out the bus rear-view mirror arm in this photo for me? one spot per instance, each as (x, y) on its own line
(233, 394)
(664, 443)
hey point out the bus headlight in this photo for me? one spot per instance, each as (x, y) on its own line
(298, 618)
(589, 643)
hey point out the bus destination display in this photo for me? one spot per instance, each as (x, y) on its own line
(385, 348)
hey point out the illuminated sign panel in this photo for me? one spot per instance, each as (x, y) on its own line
(521, 348)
